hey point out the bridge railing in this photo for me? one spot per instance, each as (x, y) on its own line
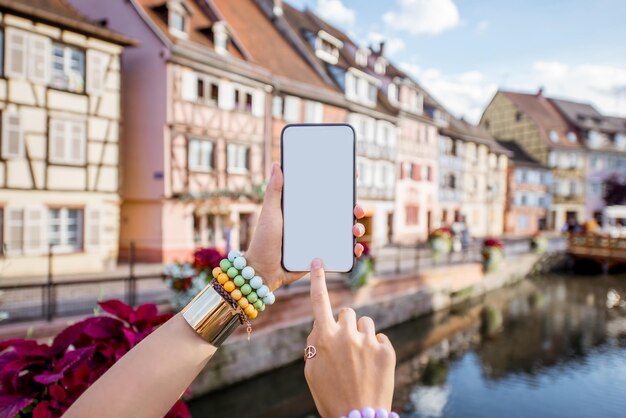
(597, 246)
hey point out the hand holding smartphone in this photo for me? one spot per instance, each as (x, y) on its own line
(318, 163)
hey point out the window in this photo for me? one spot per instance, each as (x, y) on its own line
(313, 112)
(593, 138)
(14, 231)
(381, 65)
(554, 136)
(522, 222)
(68, 142)
(68, 68)
(277, 107)
(25, 230)
(360, 89)
(177, 21)
(518, 116)
(392, 93)
(571, 137)
(620, 141)
(552, 159)
(12, 136)
(220, 37)
(292, 109)
(243, 101)
(327, 47)
(38, 58)
(361, 56)
(208, 90)
(65, 232)
(412, 215)
(238, 158)
(200, 155)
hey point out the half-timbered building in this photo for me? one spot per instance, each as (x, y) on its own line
(59, 142)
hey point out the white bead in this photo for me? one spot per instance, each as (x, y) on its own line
(239, 263)
(247, 272)
(232, 255)
(256, 282)
(269, 299)
(263, 291)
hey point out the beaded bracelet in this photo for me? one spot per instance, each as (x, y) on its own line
(371, 413)
(241, 283)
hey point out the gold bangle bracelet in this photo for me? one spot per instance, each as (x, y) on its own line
(211, 316)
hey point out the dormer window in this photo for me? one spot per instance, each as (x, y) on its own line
(178, 18)
(593, 139)
(620, 141)
(361, 56)
(554, 136)
(381, 65)
(220, 37)
(327, 47)
(361, 87)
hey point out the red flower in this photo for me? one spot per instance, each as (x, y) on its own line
(206, 258)
(493, 242)
(49, 378)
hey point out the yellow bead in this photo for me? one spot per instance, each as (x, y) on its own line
(236, 294)
(249, 309)
(222, 278)
(216, 272)
(254, 314)
(243, 302)
(229, 286)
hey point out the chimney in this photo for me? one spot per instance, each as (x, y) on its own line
(381, 48)
(540, 91)
(278, 8)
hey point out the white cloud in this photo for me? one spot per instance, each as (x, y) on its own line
(393, 45)
(423, 16)
(336, 12)
(463, 94)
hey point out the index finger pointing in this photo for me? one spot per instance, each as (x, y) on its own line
(322, 311)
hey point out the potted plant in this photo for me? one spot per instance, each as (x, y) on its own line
(43, 380)
(362, 270)
(539, 243)
(492, 254)
(440, 242)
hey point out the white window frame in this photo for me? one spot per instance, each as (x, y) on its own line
(220, 37)
(380, 66)
(392, 94)
(94, 229)
(205, 149)
(67, 127)
(237, 158)
(67, 70)
(39, 54)
(277, 107)
(7, 129)
(292, 109)
(64, 223)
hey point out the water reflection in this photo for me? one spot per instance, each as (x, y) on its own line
(544, 348)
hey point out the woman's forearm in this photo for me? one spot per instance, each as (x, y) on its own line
(150, 378)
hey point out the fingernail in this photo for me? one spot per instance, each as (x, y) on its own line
(316, 264)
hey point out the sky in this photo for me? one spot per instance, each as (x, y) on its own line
(462, 51)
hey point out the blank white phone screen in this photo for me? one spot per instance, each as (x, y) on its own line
(318, 196)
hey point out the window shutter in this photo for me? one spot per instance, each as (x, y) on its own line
(16, 53)
(292, 109)
(277, 107)
(96, 72)
(35, 230)
(57, 140)
(39, 55)
(248, 158)
(14, 230)
(192, 155)
(12, 136)
(350, 85)
(93, 231)
(258, 103)
(189, 86)
(78, 143)
(226, 98)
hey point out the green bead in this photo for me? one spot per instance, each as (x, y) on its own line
(246, 289)
(258, 304)
(252, 297)
(225, 265)
(239, 281)
(232, 272)
(262, 308)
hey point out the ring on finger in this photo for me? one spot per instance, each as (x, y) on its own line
(309, 352)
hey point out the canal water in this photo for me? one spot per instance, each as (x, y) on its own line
(551, 347)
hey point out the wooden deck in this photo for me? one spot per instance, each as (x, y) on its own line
(602, 248)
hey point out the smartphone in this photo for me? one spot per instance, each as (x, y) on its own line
(318, 163)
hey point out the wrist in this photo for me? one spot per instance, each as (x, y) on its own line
(271, 278)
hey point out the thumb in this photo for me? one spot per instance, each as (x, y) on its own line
(274, 190)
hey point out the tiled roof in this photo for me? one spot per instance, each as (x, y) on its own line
(618, 123)
(519, 156)
(264, 43)
(61, 13)
(584, 116)
(459, 128)
(545, 115)
(200, 22)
